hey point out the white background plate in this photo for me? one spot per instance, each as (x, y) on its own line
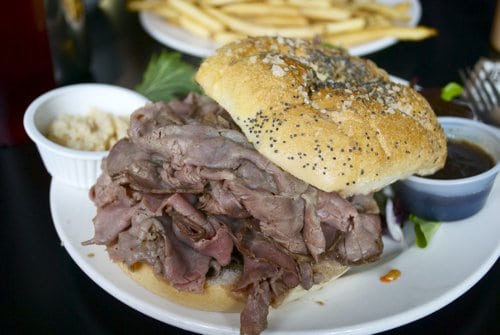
(459, 255)
(182, 40)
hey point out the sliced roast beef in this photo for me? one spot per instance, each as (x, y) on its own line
(280, 217)
(219, 246)
(328, 218)
(253, 317)
(122, 155)
(365, 203)
(115, 206)
(363, 243)
(187, 191)
(255, 178)
(194, 224)
(268, 273)
(255, 246)
(105, 191)
(219, 200)
(143, 242)
(184, 267)
(117, 213)
(205, 235)
(334, 210)
(312, 232)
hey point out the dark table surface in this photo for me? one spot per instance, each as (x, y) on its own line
(43, 291)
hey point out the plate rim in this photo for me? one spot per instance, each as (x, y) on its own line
(190, 323)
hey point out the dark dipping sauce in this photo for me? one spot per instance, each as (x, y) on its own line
(464, 160)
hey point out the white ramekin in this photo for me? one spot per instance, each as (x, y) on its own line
(454, 199)
(75, 167)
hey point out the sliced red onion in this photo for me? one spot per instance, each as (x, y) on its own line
(393, 223)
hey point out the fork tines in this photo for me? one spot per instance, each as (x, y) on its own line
(481, 91)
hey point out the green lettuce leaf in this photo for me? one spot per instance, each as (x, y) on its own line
(451, 91)
(167, 77)
(424, 230)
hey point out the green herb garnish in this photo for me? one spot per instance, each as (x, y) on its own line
(166, 77)
(451, 91)
(424, 230)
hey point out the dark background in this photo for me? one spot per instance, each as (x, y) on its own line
(43, 291)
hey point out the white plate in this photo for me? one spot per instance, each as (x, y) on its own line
(357, 303)
(182, 40)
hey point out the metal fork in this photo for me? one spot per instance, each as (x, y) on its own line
(481, 92)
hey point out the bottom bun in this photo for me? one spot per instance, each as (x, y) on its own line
(330, 270)
(219, 295)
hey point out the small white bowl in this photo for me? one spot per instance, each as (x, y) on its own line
(454, 199)
(75, 167)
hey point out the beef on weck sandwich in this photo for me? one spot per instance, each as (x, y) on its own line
(262, 189)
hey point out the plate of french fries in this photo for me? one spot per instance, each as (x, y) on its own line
(198, 27)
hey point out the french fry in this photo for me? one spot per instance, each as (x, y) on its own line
(341, 22)
(332, 13)
(374, 20)
(223, 2)
(280, 21)
(276, 2)
(167, 13)
(244, 27)
(309, 4)
(256, 9)
(194, 12)
(364, 36)
(346, 25)
(403, 7)
(388, 11)
(193, 27)
(224, 37)
(158, 7)
(340, 2)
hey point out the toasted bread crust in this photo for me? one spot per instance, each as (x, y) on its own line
(218, 294)
(333, 120)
